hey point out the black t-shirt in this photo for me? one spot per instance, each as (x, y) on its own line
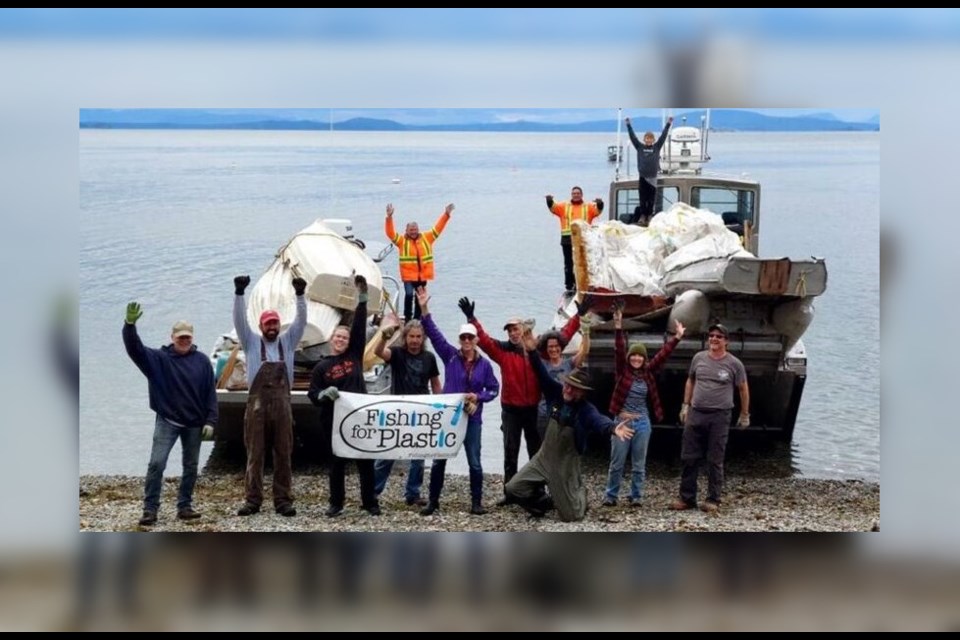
(344, 372)
(412, 373)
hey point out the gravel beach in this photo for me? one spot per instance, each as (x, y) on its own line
(114, 503)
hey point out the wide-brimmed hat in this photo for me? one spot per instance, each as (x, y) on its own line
(578, 378)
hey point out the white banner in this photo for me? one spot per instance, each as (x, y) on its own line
(398, 427)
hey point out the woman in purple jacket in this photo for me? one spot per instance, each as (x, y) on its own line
(465, 371)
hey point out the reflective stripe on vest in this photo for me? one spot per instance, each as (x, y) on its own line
(568, 216)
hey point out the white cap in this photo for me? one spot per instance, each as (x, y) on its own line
(467, 328)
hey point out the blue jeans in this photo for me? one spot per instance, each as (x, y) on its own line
(381, 472)
(637, 446)
(164, 437)
(471, 445)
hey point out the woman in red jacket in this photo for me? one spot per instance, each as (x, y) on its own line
(634, 394)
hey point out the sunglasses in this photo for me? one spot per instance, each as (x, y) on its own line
(718, 336)
(467, 336)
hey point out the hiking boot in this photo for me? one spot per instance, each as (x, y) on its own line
(248, 509)
(148, 518)
(609, 502)
(373, 510)
(333, 511)
(415, 501)
(187, 513)
(287, 510)
(636, 503)
(681, 505)
(709, 506)
(477, 509)
(430, 509)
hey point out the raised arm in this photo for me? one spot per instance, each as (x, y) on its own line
(294, 332)
(380, 348)
(440, 224)
(141, 356)
(552, 390)
(389, 229)
(245, 334)
(444, 349)
(581, 355)
(358, 330)
(633, 137)
(661, 358)
(663, 136)
(484, 341)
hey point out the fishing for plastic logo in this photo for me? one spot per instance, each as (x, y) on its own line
(398, 427)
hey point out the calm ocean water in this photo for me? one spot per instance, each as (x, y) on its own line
(169, 217)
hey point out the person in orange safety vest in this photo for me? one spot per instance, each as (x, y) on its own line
(416, 256)
(568, 212)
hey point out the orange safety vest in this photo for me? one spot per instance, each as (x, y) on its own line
(416, 256)
(568, 212)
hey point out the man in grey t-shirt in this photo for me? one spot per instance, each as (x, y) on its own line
(707, 403)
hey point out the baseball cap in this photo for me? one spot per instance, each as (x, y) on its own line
(467, 329)
(718, 327)
(182, 328)
(268, 315)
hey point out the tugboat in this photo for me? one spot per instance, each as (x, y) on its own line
(697, 263)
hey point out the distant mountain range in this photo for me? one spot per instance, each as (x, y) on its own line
(518, 120)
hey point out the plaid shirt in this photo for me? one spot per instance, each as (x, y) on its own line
(625, 375)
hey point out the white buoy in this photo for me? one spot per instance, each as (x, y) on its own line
(395, 181)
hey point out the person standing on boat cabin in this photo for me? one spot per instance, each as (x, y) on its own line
(413, 371)
(342, 370)
(520, 394)
(416, 256)
(705, 414)
(568, 212)
(184, 397)
(268, 417)
(465, 371)
(557, 463)
(634, 394)
(648, 166)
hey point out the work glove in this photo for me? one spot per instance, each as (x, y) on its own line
(684, 411)
(585, 323)
(133, 312)
(330, 393)
(240, 284)
(362, 290)
(299, 285)
(388, 332)
(207, 432)
(744, 420)
(467, 307)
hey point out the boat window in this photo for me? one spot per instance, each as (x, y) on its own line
(628, 199)
(735, 205)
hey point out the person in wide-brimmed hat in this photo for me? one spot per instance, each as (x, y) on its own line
(557, 463)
